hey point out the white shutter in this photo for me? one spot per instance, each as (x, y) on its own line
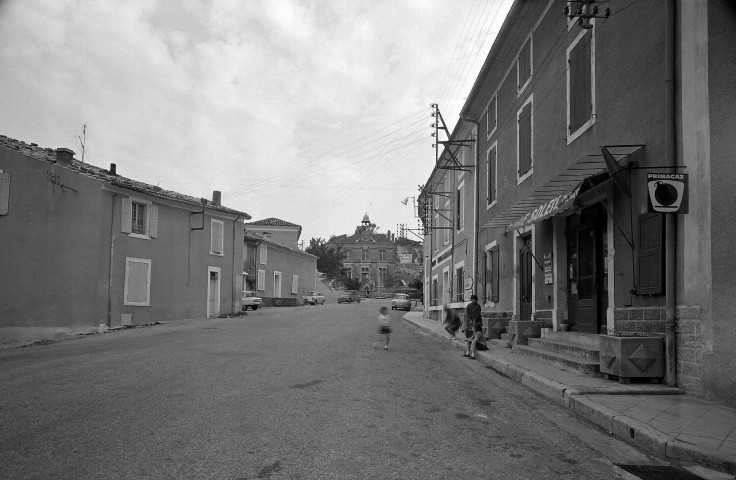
(4, 192)
(264, 253)
(137, 282)
(153, 221)
(294, 283)
(127, 214)
(216, 231)
(261, 280)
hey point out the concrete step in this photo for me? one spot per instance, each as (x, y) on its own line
(505, 336)
(571, 364)
(500, 342)
(584, 339)
(566, 348)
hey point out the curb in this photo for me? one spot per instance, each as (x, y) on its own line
(624, 428)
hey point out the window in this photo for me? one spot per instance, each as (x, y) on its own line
(382, 255)
(347, 255)
(580, 85)
(4, 192)
(434, 291)
(460, 207)
(137, 290)
(491, 169)
(263, 250)
(491, 274)
(261, 284)
(365, 254)
(364, 274)
(446, 221)
(492, 116)
(524, 66)
(382, 275)
(216, 236)
(459, 284)
(524, 140)
(139, 218)
(295, 284)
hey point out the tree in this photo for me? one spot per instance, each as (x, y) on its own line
(329, 257)
(352, 284)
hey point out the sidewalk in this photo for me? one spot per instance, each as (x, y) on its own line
(658, 419)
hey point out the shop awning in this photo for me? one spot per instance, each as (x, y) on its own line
(558, 194)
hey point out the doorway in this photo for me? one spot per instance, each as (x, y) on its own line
(525, 278)
(276, 284)
(213, 292)
(587, 275)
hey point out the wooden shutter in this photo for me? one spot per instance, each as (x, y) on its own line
(651, 254)
(294, 283)
(495, 252)
(137, 282)
(153, 221)
(126, 214)
(580, 83)
(216, 236)
(525, 138)
(4, 192)
(261, 280)
(492, 116)
(491, 190)
(524, 63)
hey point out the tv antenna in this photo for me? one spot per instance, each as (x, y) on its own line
(83, 139)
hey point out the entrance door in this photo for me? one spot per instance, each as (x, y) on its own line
(525, 280)
(587, 292)
(213, 294)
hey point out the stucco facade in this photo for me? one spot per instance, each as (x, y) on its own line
(567, 231)
(83, 246)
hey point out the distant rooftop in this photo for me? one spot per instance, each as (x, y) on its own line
(49, 155)
(273, 222)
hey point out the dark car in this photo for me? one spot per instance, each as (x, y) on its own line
(349, 297)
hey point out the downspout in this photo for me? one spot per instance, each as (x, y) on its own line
(112, 252)
(476, 202)
(670, 136)
(234, 265)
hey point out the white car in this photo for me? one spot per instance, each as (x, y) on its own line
(314, 298)
(250, 300)
(401, 302)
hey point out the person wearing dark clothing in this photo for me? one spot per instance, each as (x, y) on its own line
(474, 329)
(452, 322)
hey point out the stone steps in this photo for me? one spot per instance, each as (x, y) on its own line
(572, 364)
(569, 349)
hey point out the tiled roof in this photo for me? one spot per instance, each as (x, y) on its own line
(273, 222)
(49, 155)
(250, 235)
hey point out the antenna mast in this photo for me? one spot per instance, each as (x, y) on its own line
(83, 139)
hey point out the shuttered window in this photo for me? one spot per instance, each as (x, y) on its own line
(459, 284)
(261, 280)
(524, 138)
(492, 116)
(139, 218)
(294, 283)
(651, 254)
(491, 162)
(216, 237)
(460, 207)
(4, 192)
(581, 105)
(137, 282)
(524, 65)
(263, 252)
(491, 274)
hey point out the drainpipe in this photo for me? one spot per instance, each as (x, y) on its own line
(241, 261)
(670, 218)
(112, 252)
(476, 200)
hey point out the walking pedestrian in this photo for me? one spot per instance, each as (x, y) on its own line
(452, 322)
(384, 326)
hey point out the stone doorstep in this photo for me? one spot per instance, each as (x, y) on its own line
(571, 364)
(566, 348)
(588, 340)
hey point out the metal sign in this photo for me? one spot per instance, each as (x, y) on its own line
(667, 192)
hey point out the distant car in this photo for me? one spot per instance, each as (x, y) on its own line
(349, 297)
(250, 300)
(314, 298)
(401, 301)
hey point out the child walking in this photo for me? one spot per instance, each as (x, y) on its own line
(384, 327)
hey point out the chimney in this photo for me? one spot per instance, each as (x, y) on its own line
(64, 156)
(113, 169)
(216, 198)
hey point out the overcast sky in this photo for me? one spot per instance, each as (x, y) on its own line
(313, 112)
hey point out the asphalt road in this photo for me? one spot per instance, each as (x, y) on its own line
(284, 393)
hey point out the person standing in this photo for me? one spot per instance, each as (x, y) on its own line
(473, 329)
(384, 326)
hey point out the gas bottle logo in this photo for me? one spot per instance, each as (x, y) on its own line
(667, 192)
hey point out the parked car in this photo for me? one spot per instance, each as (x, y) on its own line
(314, 298)
(349, 297)
(250, 300)
(401, 301)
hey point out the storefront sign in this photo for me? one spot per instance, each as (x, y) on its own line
(667, 192)
(557, 205)
(548, 279)
(405, 258)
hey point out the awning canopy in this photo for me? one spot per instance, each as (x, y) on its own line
(558, 193)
